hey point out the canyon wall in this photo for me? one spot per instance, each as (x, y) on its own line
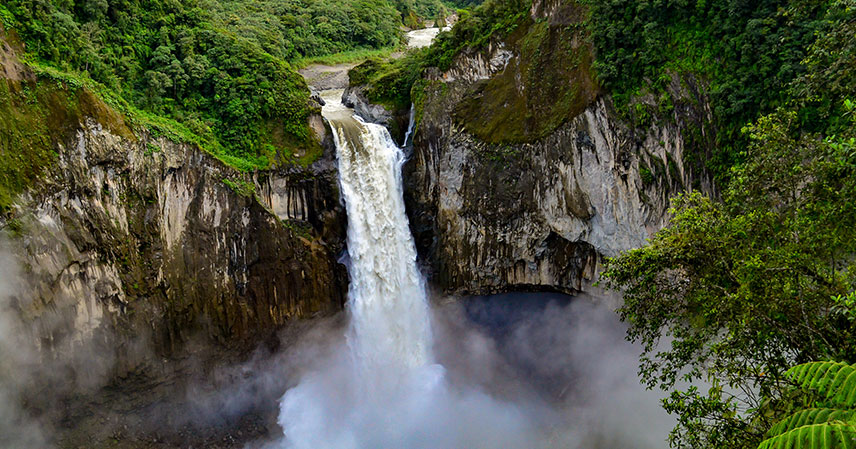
(500, 201)
(127, 237)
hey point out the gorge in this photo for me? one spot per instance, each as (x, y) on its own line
(276, 225)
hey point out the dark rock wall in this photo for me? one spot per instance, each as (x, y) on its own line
(540, 213)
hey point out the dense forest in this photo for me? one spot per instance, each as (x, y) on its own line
(749, 284)
(223, 71)
(739, 288)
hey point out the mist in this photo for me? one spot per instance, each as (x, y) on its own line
(513, 371)
(524, 370)
(18, 428)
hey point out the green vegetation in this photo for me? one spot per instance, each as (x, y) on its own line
(390, 81)
(34, 116)
(23, 118)
(241, 186)
(748, 53)
(554, 66)
(214, 72)
(346, 57)
(169, 60)
(294, 29)
(419, 9)
(440, 19)
(829, 391)
(494, 18)
(550, 82)
(747, 286)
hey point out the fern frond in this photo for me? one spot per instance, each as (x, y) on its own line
(810, 417)
(835, 382)
(827, 435)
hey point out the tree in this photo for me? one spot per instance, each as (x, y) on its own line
(440, 21)
(735, 291)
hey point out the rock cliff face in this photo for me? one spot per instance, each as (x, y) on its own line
(395, 121)
(539, 211)
(129, 237)
(147, 236)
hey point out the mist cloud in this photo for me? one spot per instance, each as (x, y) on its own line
(514, 371)
(18, 358)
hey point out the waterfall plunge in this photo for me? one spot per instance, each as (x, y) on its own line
(384, 390)
(389, 327)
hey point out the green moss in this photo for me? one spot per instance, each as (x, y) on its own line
(501, 153)
(14, 227)
(151, 149)
(298, 227)
(550, 82)
(240, 186)
(33, 116)
(312, 154)
(645, 174)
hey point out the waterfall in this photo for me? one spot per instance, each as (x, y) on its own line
(383, 388)
(409, 126)
(388, 359)
(388, 308)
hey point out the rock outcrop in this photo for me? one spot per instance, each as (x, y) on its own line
(140, 238)
(396, 121)
(539, 208)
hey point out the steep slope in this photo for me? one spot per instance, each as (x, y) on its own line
(129, 236)
(523, 176)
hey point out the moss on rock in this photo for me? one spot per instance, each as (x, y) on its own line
(548, 82)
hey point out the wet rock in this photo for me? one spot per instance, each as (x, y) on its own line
(145, 239)
(542, 214)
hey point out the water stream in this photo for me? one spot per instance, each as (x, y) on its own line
(410, 125)
(389, 325)
(383, 389)
(423, 37)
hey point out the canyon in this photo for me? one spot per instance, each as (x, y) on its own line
(140, 248)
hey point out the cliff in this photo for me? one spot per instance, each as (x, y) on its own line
(129, 236)
(524, 176)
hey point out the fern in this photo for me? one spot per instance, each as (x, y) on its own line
(834, 382)
(834, 427)
(811, 417)
(816, 436)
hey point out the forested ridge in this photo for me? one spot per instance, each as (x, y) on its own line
(224, 71)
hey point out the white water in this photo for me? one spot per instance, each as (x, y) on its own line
(383, 389)
(410, 125)
(389, 327)
(424, 37)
